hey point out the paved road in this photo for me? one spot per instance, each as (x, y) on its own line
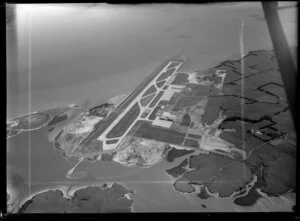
(142, 109)
(104, 126)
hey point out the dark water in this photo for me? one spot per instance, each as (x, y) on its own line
(153, 188)
(73, 53)
(48, 169)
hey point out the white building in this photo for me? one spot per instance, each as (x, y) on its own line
(161, 123)
(168, 116)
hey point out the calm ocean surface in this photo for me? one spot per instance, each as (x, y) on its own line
(58, 55)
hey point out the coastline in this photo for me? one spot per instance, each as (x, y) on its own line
(69, 193)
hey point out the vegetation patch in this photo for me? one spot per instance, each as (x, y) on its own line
(160, 84)
(194, 136)
(165, 87)
(191, 143)
(160, 134)
(166, 74)
(180, 79)
(146, 100)
(186, 120)
(150, 90)
(178, 170)
(91, 199)
(57, 119)
(156, 99)
(175, 153)
(186, 101)
(112, 141)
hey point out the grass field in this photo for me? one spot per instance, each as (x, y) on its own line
(180, 79)
(160, 134)
(185, 101)
(186, 120)
(174, 153)
(156, 99)
(191, 143)
(150, 90)
(146, 100)
(166, 74)
(112, 141)
(153, 114)
(194, 136)
(160, 84)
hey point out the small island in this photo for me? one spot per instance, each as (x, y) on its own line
(91, 199)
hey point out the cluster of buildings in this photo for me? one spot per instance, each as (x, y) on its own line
(165, 119)
(266, 134)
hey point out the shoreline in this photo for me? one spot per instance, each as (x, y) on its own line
(68, 193)
(8, 120)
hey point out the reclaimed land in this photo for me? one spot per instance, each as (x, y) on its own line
(120, 128)
(146, 100)
(153, 113)
(174, 64)
(148, 131)
(112, 141)
(156, 99)
(150, 90)
(160, 84)
(166, 74)
(89, 152)
(180, 79)
(102, 125)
